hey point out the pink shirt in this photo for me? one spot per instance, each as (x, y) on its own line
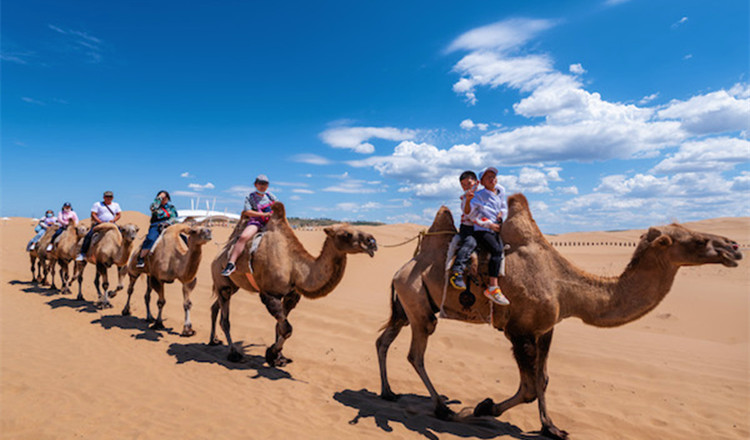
(65, 217)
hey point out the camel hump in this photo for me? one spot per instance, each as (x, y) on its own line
(104, 227)
(279, 210)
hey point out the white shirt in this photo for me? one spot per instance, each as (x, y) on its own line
(101, 211)
(486, 206)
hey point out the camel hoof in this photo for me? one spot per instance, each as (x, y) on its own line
(555, 433)
(158, 325)
(484, 408)
(125, 312)
(214, 342)
(390, 396)
(150, 319)
(275, 358)
(187, 332)
(112, 294)
(79, 297)
(234, 356)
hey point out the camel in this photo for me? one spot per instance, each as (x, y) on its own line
(38, 267)
(44, 256)
(111, 245)
(283, 271)
(65, 249)
(172, 258)
(544, 288)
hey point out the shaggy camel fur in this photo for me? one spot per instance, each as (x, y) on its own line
(169, 260)
(283, 270)
(544, 288)
(44, 256)
(66, 248)
(109, 247)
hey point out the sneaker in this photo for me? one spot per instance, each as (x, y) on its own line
(140, 262)
(49, 247)
(80, 257)
(495, 295)
(457, 281)
(31, 247)
(228, 270)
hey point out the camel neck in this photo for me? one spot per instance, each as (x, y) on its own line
(614, 301)
(315, 278)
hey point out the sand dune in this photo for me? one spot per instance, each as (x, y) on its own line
(68, 370)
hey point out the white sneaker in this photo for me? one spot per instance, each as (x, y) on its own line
(49, 247)
(79, 257)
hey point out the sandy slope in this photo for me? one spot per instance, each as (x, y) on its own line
(70, 371)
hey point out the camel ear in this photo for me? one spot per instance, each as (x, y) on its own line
(663, 241)
(652, 234)
(329, 231)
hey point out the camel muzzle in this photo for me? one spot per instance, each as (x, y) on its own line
(371, 247)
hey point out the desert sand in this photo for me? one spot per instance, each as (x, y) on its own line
(68, 370)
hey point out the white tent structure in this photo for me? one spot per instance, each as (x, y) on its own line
(200, 215)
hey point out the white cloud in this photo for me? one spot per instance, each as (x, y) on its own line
(240, 190)
(302, 191)
(679, 22)
(354, 138)
(186, 175)
(502, 36)
(577, 69)
(199, 187)
(646, 99)
(312, 159)
(468, 124)
(713, 154)
(81, 42)
(715, 112)
(615, 2)
(32, 101)
(688, 56)
(186, 193)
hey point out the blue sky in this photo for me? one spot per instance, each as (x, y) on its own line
(607, 114)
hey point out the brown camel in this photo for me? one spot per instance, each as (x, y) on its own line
(110, 245)
(66, 248)
(44, 256)
(37, 267)
(172, 258)
(544, 288)
(283, 270)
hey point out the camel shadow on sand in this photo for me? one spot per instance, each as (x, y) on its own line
(416, 413)
(217, 354)
(134, 323)
(34, 287)
(63, 301)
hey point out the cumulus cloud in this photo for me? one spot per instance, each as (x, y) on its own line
(646, 99)
(186, 175)
(355, 138)
(199, 187)
(715, 112)
(577, 69)
(468, 124)
(713, 154)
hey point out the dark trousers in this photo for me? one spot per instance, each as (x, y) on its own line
(153, 233)
(57, 233)
(492, 243)
(87, 241)
(466, 246)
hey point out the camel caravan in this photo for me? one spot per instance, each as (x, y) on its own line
(524, 293)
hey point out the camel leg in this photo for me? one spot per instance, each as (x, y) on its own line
(542, 379)
(43, 262)
(391, 330)
(33, 271)
(101, 271)
(279, 308)
(52, 265)
(131, 285)
(158, 286)
(225, 295)
(147, 300)
(187, 329)
(64, 276)
(525, 350)
(121, 272)
(78, 274)
(215, 307)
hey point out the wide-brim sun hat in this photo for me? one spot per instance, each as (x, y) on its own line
(486, 170)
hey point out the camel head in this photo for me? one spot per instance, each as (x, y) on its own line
(350, 240)
(81, 230)
(129, 232)
(684, 247)
(443, 220)
(198, 235)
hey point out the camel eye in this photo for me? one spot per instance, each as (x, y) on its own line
(701, 243)
(348, 235)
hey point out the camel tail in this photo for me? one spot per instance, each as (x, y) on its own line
(398, 315)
